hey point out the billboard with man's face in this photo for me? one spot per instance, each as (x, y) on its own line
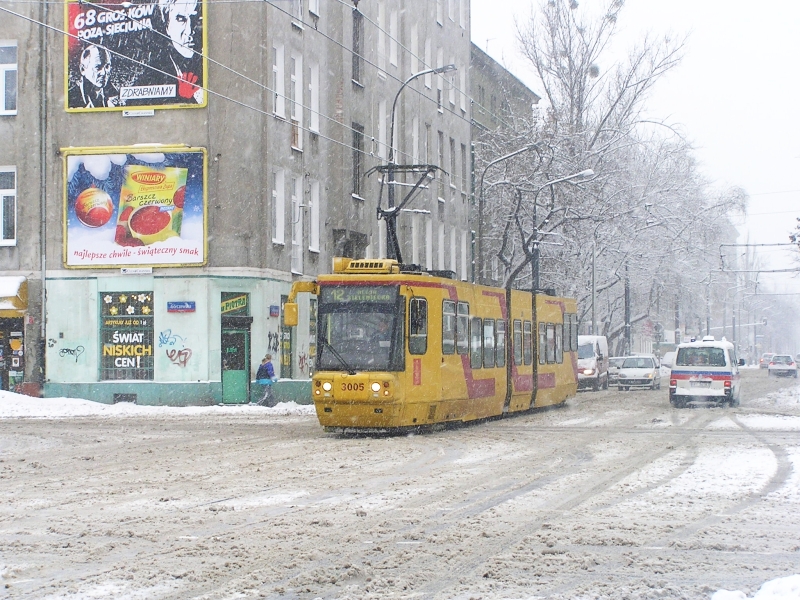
(134, 206)
(135, 54)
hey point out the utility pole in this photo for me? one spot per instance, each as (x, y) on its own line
(627, 312)
(594, 287)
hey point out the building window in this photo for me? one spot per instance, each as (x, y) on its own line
(439, 12)
(463, 91)
(440, 242)
(8, 208)
(415, 140)
(313, 217)
(8, 78)
(463, 167)
(358, 159)
(452, 163)
(358, 44)
(414, 45)
(382, 119)
(393, 43)
(451, 83)
(297, 9)
(440, 163)
(126, 335)
(279, 93)
(313, 7)
(462, 14)
(297, 225)
(382, 39)
(277, 206)
(428, 63)
(313, 90)
(429, 243)
(296, 101)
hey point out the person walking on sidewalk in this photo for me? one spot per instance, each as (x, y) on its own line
(266, 377)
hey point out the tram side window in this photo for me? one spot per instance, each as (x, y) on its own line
(551, 343)
(517, 342)
(574, 333)
(527, 343)
(488, 343)
(418, 326)
(559, 343)
(462, 328)
(476, 348)
(542, 343)
(567, 336)
(500, 344)
(448, 327)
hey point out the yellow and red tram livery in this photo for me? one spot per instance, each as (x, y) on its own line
(399, 349)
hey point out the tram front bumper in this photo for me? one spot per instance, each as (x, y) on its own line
(360, 400)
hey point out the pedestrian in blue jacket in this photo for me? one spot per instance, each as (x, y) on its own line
(266, 377)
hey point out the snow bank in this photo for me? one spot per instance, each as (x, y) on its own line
(18, 406)
(785, 588)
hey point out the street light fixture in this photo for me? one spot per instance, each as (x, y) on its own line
(391, 223)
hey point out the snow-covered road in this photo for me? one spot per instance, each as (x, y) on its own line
(615, 495)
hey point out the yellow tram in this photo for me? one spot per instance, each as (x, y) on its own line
(401, 348)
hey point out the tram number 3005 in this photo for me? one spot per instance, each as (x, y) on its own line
(352, 387)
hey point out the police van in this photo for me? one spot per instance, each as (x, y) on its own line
(705, 371)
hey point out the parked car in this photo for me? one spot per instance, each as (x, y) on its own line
(592, 362)
(706, 371)
(763, 362)
(668, 360)
(639, 371)
(783, 365)
(614, 363)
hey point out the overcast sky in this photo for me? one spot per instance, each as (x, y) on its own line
(735, 94)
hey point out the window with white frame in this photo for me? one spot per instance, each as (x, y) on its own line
(451, 9)
(297, 225)
(464, 269)
(452, 164)
(382, 119)
(8, 78)
(428, 63)
(429, 242)
(463, 167)
(462, 13)
(440, 248)
(296, 101)
(313, 7)
(439, 12)
(393, 34)
(358, 43)
(453, 259)
(8, 205)
(463, 90)
(278, 199)
(278, 91)
(415, 140)
(297, 9)
(415, 238)
(313, 91)
(440, 80)
(382, 39)
(451, 80)
(414, 45)
(313, 217)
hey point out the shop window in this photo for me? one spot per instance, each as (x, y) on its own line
(126, 336)
(448, 327)
(476, 347)
(418, 326)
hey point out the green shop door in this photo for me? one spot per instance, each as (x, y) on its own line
(236, 363)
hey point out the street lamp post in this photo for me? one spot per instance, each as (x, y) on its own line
(482, 204)
(391, 223)
(536, 251)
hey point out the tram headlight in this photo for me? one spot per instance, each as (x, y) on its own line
(376, 387)
(327, 386)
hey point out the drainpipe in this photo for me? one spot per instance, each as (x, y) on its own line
(43, 105)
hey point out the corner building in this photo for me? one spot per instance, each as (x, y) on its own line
(168, 169)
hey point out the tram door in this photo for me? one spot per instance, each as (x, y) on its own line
(235, 366)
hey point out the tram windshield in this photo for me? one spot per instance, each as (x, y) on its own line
(360, 328)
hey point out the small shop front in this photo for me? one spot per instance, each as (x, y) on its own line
(13, 304)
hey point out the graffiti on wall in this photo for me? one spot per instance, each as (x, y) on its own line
(176, 349)
(273, 342)
(70, 352)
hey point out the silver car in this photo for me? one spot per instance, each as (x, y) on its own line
(639, 371)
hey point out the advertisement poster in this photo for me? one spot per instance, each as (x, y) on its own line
(126, 333)
(135, 54)
(126, 206)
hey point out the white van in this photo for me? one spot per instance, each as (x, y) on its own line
(592, 362)
(707, 370)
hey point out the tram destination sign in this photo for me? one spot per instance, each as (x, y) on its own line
(356, 294)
